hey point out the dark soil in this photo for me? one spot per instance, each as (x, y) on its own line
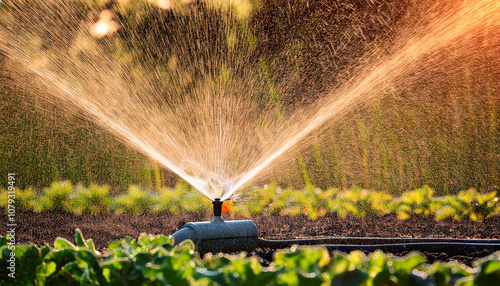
(41, 228)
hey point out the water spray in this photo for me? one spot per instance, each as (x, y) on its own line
(219, 235)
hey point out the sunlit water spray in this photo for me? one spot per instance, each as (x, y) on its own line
(445, 29)
(204, 126)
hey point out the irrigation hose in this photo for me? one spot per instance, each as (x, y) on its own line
(422, 247)
(347, 244)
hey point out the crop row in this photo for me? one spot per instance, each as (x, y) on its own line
(313, 202)
(152, 260)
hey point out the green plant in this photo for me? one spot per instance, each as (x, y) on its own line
(56, 197)
(290, 202)
(152, 260)
(4, 198)
(94, 199)
(482, 205)
(413, 202)
(24, 199)
(317, 204)
(260, 199)
(136, 201)
(128, 261)
(190, 199)
(360, 202)
(469, 203)
(166, 201)
(310, 201)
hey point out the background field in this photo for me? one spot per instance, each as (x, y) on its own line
(441, 130)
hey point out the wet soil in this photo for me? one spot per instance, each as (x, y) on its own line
(42, 228)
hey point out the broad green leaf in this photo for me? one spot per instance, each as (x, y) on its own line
(118, 270)
(87, 261)
(27, 258)
(489, 273)
(80, 241)
(378, 269)
(404, 266)
(90, 244)
(61, 243)
(420, 278)
(114, 245)
(441, 273)
(287, 278)
(377, 259)
(3, 240)
(245, 271)
(306, 259)
(339, 264)
(407, 263)
(352, 277)
(54, 261)
(383, 277)
(44, 251)
(466, 281)
(216, 276)
(357, 259)
(70, 270)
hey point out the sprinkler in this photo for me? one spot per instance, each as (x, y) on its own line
(219, 235)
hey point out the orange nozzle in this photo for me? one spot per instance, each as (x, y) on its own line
(227, 206)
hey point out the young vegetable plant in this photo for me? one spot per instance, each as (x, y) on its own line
(56, 198)
(413, 202)
(136, 201)
(467, 203)
(92, 200)
(153, 260)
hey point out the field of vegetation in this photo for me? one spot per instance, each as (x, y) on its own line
(152, 260)
(445, 133)
(313, 202)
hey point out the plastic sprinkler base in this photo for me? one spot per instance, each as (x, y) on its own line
(219, 235)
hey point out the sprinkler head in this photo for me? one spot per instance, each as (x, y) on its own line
(217, 207)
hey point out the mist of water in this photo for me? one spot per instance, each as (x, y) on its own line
(206, 128)
(445, 29)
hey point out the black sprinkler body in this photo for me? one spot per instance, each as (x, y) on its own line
(217, 207)
(219, 235)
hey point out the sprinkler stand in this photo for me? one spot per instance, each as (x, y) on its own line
(219, 235)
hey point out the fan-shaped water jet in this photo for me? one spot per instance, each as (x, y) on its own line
(206, 130)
